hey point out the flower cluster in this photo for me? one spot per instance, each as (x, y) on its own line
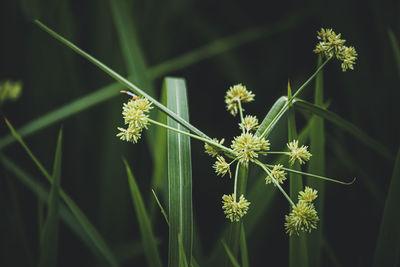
(10, 90)
(236, 95)
(303, 216)
(277, 174)
(233, 209)
(135, 114)
(299, 153)
(331, 45)
(247, 147)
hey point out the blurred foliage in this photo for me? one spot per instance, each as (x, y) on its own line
(92, 172)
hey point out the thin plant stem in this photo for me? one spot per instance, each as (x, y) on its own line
(236, 178)
(275, 181)
(241, 113)
(288, 103)
(209, 141)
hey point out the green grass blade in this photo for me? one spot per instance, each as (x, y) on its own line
(93, 234)
(230, 255)
(396, 49)
(317, 165)
(182, 256)
(148, 239)
(63, 112)
(345, 126)
(297, 244)
(161, 207)
(243, 248)
(43, 194)
(387, 252)
(122, 80)
(49, 235)
(268, 121)
(179, 175)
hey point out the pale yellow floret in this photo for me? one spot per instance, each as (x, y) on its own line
(233, 209)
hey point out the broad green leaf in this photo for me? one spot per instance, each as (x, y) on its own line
(182, 256)
(387, 252)
(270, 120)
(344, 125)
(396, 49)
(317, 166)
(297, 244)
(230, 255)
(93, 234)
(122, 80)
(179, 174)
(49, 235)
(148, 239)
(243, 248)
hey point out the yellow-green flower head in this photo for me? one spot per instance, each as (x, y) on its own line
(349, 56)
(303, 217)
(247, 147)
(234, 210)
(210, 150)
(235, 94)
(308, 195)
(298, 153)
(131, 134)
(250, 123)
(222, 167)
(278, 174)
(10, 90)
(134, 112)
(331, 45)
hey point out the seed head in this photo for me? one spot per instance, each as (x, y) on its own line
(299, 153)
(308, 195)
(222, 167)
(278, 174)
(250, 123)
(210, 150)
(247, 147)
(235, 94)
(303, 217)
(234, 210)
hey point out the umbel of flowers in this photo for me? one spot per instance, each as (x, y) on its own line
(245, 148)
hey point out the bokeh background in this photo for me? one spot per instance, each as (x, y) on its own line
(259, 44)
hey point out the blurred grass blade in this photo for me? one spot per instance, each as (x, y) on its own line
(63, 112)
(80, 216)
(148, 239)
(122, 80)
(344, 125)
(179, 174)
(43, 194)
(161, 207)
(317, 165)
(396, 49)
(232, 258)
(49, 235)
(243, 248)
(387, 252)
(182, 256)
(225, 44)
(297, 244)
(269, 118)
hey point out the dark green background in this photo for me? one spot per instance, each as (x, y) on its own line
(93, 172)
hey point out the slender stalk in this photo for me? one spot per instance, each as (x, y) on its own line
(209, 141)
(236, 178)
(241, 113)
(286, 106)
(275, 181)
(314, 175)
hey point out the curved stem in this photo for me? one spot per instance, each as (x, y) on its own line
(275, 181)
(241, 113)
